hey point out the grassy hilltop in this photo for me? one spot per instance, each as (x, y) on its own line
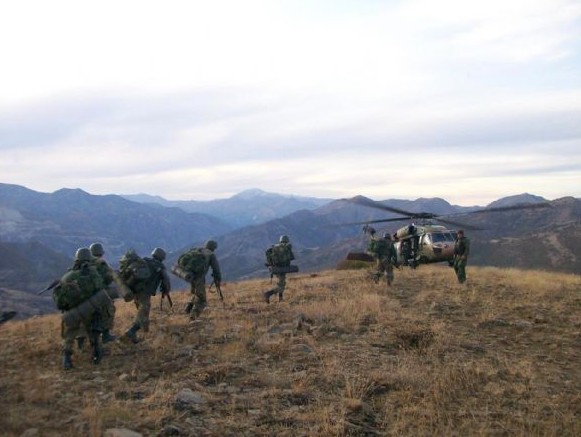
(498, 357)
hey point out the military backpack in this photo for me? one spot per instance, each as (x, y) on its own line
(279, 255)
(75, 287)
(133, 269)
(194, 261)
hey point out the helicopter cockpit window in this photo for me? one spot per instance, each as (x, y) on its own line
(438, 238)
(449, 237)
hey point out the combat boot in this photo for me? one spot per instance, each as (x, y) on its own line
(280, 297)
(96, 354)
(131, 334)
(67, 361)
(267, 295)
(188, 308)
(107, 336)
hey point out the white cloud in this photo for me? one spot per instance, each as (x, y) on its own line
(196, 99)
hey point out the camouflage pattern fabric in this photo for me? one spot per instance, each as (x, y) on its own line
(385, 267)
(198, 284)
(107, 313)
(280, 284)
(143, 305)
(69, 333)
(461, 252)
(198, 300)
(144, 291)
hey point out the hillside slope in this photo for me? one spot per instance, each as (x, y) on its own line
(68, 219)
(341, 356)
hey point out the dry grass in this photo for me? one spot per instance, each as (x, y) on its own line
(427, 357)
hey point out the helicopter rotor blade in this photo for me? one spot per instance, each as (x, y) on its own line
(396, 219)
(373, 204)
(504, 208)
(461, 225)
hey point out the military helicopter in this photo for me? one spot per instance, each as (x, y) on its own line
(421, 241)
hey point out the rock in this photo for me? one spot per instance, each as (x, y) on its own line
(30, 432)
(523, 324)
(299, 320)
(255, 412)
(302, 348)
(169, 431)
(541, 318)
(283, 328)
(121, 432)
(123, 377)
(187, 398)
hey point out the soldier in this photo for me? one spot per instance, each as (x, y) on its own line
(384, 252)
(279, 255)
(461, 252)
(77, 285)
(143, 291)
(197, 262)
(108, 313)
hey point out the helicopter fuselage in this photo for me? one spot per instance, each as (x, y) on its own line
(424, 244)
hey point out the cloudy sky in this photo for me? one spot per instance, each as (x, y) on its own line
(466, 100)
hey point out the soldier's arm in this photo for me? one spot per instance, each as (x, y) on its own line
(292, 255)
(216, 274)
(466, 248)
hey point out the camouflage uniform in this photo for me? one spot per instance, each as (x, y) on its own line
(143, 291)
(385, 254)
(461, 252)
(198, 300)
(87, 325)
(280, 277)
(159, 278)
(108, 312)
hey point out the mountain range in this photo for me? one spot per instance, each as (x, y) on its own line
(249, 207)
(39, 232)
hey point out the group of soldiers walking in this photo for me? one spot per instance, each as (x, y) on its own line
(86, 293)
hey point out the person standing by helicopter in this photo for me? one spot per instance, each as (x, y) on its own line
(384, 252)
(461, 252)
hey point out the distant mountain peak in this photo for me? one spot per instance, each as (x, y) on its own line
(516, 199)
(250, 193)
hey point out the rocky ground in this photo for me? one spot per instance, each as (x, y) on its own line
(340, 356)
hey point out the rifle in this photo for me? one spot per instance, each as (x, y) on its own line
(96, 331)
(50, 287)
(217, 284)
(168, 299)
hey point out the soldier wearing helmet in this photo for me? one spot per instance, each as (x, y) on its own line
(279, 255)
(82, 278)
(385, 255)
(461, 252)
(103, 268)
(197, 262)
(145, 289)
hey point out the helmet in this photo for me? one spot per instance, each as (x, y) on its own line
(284, 239)
(96, 249)
(387, 236)
(158, 253)
(211, 244)
(83, 254)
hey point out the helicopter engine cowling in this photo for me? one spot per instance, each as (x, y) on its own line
(405, 232)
